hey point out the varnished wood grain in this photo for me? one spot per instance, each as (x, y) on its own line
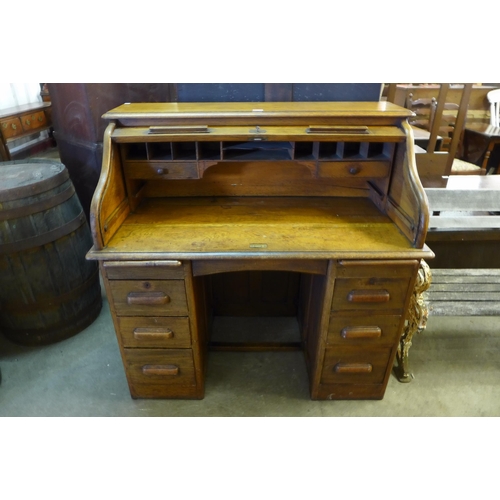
(297, 226)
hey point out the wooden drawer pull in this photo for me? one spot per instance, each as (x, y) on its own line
(353, 368)
(167, 370)
(337, 129)
(153, 333)
(180, 129)
(368, 296)
(361, 332)
(147, 298)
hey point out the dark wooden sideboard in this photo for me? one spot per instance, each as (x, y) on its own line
(326, 191)
(22, 121)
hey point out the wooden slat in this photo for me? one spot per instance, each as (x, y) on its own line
(465, 272)
(458, 296)
(464, 292)
(464, 287)
(465, 221)
(461, 199)
(464, 309)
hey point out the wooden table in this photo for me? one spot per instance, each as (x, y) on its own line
(480, 140)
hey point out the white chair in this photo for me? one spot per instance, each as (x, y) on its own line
(494, 100)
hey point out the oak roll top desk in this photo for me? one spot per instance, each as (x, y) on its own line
(326, 190)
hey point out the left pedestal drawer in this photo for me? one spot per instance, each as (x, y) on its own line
(160, 373)
(154, 331)
(149, 297)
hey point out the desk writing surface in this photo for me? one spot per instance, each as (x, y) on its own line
(293, 227)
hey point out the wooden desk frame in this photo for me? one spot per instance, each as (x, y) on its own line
(326, 190)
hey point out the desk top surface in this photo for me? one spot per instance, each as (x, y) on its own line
(483, 128)
(258, 227)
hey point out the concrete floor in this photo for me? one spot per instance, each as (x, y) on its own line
(455, 363)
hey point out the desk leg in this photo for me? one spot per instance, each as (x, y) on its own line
(416, 320)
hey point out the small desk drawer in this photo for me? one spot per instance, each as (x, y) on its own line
(11, 128)
(376, 269)
(363, 329)
(162, 373)
(149, 297)
(33, 121)
(161, 170)
(145, 331)
(145, 270)
(377, 294)
(350, 365)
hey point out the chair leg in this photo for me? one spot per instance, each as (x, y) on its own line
(416, 321)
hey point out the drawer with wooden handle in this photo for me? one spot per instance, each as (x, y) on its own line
(33, 121)
(161, 170)
(361, 169)
(11, 128)
(146, 270)
(149, 297)
(376, 268)
(160, 373)
(375, 293)
(350, 365)
(364, 328)
(161, 331)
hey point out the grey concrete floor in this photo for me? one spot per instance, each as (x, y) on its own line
(455, 362)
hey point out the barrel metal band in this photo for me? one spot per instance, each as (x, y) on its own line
(43, 239)
(44, 304)
(39, 206)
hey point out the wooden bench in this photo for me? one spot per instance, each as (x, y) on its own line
(464, 224)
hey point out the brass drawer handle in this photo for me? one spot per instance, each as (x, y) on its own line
(28, 122)
(162, 370)
(147, 298)
(376, 296)
(40, 119)
(350, 368)
(14, 126)
(153, 333)
(361, 332)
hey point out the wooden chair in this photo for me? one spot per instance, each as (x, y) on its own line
(447, 122)
(494, 100)
(423, 109)
(435, 165)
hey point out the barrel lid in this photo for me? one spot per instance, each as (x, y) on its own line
(27, 179)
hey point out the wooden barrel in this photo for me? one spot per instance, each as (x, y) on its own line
(48, 290)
